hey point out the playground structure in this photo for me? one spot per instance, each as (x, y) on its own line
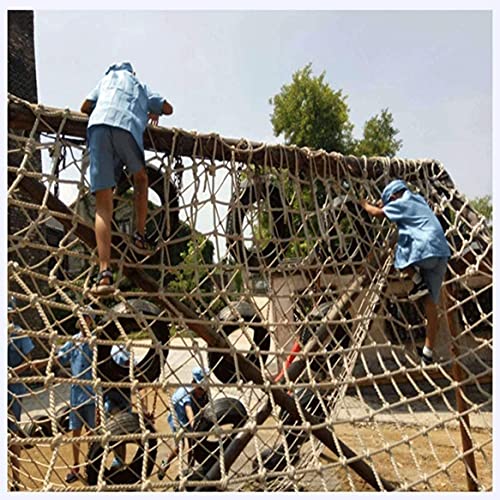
(266, 271)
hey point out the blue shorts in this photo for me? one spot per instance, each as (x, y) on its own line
(82, 414)
(432, 271)
(110, 149)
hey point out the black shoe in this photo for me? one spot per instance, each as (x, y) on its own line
(418, 291)
(72, 476)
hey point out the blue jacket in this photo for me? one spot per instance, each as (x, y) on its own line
(420, 233)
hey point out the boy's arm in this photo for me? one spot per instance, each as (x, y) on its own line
(87, 106)
(374, 211)
(189, 414)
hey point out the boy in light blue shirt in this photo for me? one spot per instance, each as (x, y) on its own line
(78, 354)
(119, 108)
(422, 250)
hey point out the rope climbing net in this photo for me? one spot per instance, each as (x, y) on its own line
(266, 273)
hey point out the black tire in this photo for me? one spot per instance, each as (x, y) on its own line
(168, 222)
(240, 204)
(38, 427)
(338, 334)
(194, 476)
(275, 460)
(149, 368)
(41, 425)
(62, 416)
(309, 402)
(120, 424)
(225, 411)
(223, 367)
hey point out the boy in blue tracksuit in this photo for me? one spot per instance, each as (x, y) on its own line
(119, 108)
(78, 354)
(19, 350)
(422, 250)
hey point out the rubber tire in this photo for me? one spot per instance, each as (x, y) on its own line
(149, 368)
(223, 367)
(240, 203)
(275, 460)
(225, 411)
(340, 338)
(308, 401)
(120, 424)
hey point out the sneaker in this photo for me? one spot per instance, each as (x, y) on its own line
(163, 469)
(101, 289)
(418, 291)
(424, 359)
(72, 476)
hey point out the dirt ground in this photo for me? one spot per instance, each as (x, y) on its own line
(434, 455)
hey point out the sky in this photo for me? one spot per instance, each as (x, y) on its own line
(432, 69)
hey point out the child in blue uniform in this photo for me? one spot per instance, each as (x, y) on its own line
(422, 250)
(187, 402)
(19, 351)
(78, 354)
(119, 108)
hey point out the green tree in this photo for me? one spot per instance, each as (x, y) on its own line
(309, 113)
(379, 137)
(483, 205)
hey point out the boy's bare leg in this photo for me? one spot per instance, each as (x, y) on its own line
(103, 216)
(141, 184)
(431, 311)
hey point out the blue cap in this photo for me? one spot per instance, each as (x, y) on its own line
(199, 374)
(393, 187)
(123, 66)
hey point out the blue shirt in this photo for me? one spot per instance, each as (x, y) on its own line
(78, 354)
(420, 233)
(181, 398)
(17, 351)
(123, 101)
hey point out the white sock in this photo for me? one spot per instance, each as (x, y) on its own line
(427, 352)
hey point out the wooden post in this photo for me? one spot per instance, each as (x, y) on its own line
(462, 407)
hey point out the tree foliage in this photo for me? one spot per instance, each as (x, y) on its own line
(308, 112)
(483, 205)
(379, 137)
